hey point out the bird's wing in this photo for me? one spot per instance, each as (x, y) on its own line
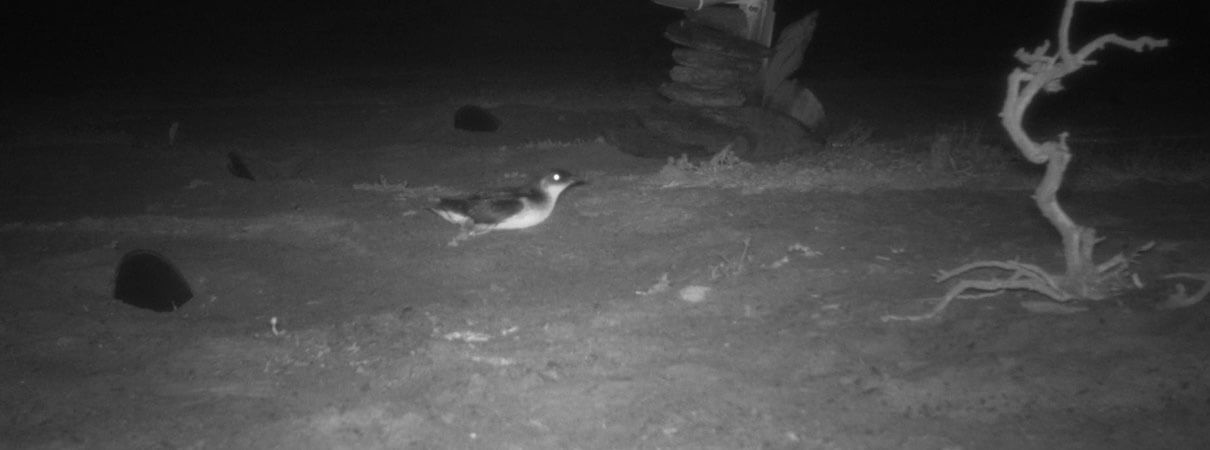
(494, 209)
(490, 207)
(505, 194)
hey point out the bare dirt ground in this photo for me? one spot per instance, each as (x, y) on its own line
(562, 336)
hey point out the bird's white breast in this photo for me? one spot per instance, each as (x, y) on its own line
(532, 214)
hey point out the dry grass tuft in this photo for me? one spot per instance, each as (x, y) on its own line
(1173, 165)
(854, 163)
(956, 156)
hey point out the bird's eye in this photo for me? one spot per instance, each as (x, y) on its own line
(556, 177)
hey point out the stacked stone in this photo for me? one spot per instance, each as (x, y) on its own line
(716, 65)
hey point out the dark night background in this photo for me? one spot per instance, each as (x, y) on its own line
(54, 47)
(314, 135)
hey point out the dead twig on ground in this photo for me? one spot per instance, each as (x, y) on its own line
(731, 268)
(1180, 298)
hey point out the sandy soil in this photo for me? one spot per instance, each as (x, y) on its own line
(561, 336)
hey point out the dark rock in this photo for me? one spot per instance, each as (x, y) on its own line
(255, 167)
(709, 78)
(145, 279)
(770, 135)
(647, 144)
(686, 126)
(753, 133)
(237, 167)
(724, 18)
(688, 95)
(476, 119)
(701, 37)
(697, 58)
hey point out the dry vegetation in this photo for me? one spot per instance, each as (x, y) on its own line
(1084, 278)
(955, 156)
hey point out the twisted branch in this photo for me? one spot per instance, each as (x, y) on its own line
(1083, 279)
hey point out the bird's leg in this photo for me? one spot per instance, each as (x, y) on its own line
(477, 230)
(462, 236)
(469, 231)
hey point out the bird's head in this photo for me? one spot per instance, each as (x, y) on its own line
(556, 181)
